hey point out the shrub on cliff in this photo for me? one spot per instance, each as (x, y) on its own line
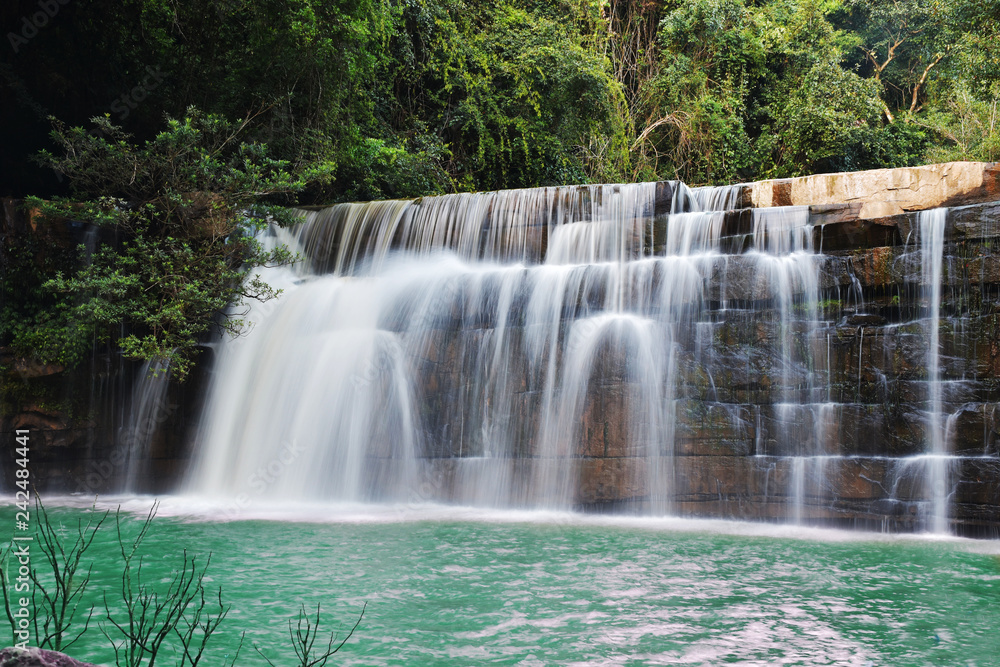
(185, 208)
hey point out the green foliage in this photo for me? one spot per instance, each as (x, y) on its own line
(402, 99)
(898, 144)
(510, 92)
(902, 43)
(970, 126)
(828, 109)
(749, 91)
(35, 322)
(186, 207)
(789, 87)
(720, 36)
(377, 170)
(368, 99)
(712, 53)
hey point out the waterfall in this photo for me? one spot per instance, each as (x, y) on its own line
(932, 224)
(718, 198)
(527, 348)
(147, 411)
(787, 270)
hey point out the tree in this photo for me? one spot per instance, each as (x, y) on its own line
(154, 618)
(508, 95)
(56, 590)
(696, 106)
(904, 43)
(303, 635)
(186, 207)
(964, 99)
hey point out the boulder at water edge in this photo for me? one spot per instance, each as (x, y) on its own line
(36, 657)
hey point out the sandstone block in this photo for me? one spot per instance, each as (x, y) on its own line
(887, 192)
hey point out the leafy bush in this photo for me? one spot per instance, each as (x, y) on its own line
(185, 207)
(898, 144)
(830, 108)
(968, 128)
(510, 91)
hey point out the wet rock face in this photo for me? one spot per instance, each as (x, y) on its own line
(760, 431)
(777, 408)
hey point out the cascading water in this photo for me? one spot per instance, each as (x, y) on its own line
(932, 225)
(372, 333)
(783, 247)
(148, 409)
(719, 198)
(470, 348)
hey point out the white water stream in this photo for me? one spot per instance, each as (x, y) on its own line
(458, 348)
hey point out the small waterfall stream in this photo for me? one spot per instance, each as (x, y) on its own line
(146, 413)
(932, 225)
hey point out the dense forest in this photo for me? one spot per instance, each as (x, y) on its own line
(404, 98)
(167, 121)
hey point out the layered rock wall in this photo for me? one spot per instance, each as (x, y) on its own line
(836, 434)
(811, 412)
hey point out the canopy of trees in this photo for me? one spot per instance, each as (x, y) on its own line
(411, 97)
(342, 100)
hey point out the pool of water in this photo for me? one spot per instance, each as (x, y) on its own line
(452, 586)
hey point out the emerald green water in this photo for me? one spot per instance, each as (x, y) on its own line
(528, 589)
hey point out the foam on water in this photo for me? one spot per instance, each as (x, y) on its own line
(211, 509)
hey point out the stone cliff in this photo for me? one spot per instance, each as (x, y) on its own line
(780, 410)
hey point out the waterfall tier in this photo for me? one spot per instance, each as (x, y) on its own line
(816, 350)
(643, 347)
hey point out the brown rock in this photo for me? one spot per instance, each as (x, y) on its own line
(663, 197)
(782, 193)
(973, 428)
(886, 192)
(37, 422)
(978, 221)
(36, 657)
(976, 481)
(609, 480)
(828, 214)
(865, 320)
(859, 479)
(856, 233)
(877, 267)
(29, 368)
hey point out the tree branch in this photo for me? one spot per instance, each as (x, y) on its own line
(923, 78)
